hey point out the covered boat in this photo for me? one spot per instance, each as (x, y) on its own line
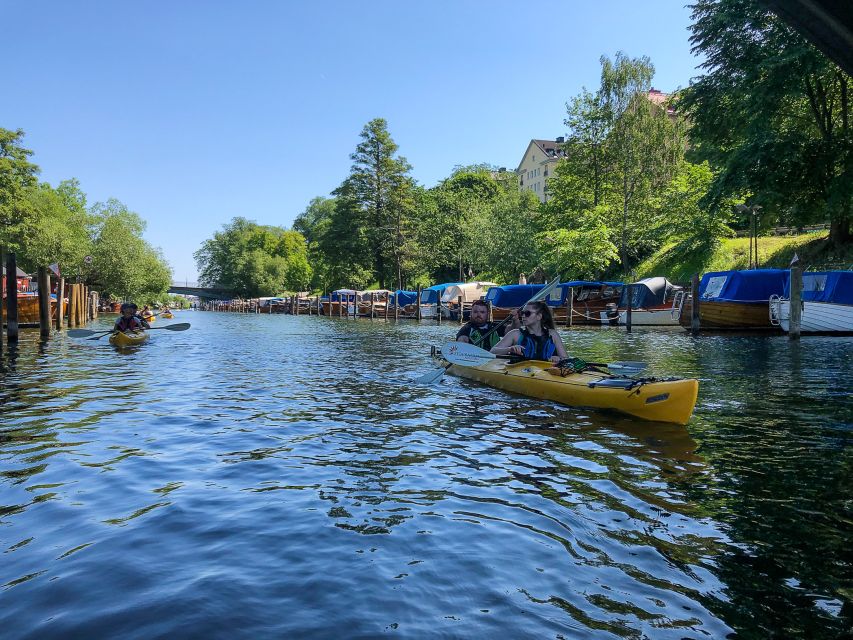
(651, 399)
(827, 301)
(654, 302)
(468, 291)
(736, 299)
(373, 301)
(340, 302)
(430, 299)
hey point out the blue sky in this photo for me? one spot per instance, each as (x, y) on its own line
(194, 112)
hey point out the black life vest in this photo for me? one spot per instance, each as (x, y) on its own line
(133, 323)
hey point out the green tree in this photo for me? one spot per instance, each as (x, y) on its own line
(124, 265)
(644, 145)
(254, 260)
(378, 193)
(17, 175)
(773, 114)
(55, 231)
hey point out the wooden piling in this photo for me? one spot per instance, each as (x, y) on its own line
(320, 306)
(438, 307)
(570, 307)
(694, 307)
(418, 308)
(296, 304)
(340, 306)
(372, 304)
(60, 304)
(796, 314)
(491, 315)
(461, 310)
(44, 302)
(387, 305)
(628, 311)
(72, 305)
(396, 307)
(11, 298)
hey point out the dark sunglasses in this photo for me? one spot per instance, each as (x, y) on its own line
(527, 313)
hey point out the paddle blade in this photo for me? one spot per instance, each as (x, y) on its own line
(465, 354)
(431, 377)
(180, 326)
(80, 333)
(627, 367)
(545, 291)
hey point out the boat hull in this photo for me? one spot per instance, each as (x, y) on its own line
(818, 317)
(661, 401)
(653, 317)
(122, 339)
(729, 315)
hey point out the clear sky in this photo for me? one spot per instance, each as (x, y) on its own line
(193, 112)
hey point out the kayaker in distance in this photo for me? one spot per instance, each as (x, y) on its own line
(129, 321)
(537, 339)
(146, 312)
(479, 327)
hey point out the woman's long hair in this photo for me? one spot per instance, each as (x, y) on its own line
(545, 311)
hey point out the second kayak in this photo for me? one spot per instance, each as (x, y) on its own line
(662, 400)
(129, 339)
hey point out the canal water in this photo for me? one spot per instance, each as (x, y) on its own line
(279, 476)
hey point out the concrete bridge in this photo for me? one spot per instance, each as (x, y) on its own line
(205, 293)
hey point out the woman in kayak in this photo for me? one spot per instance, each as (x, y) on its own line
(129, 321)
(537, 339)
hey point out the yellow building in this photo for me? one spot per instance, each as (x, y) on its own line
(538, 164)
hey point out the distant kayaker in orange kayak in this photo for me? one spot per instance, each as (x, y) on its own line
(129, 320)
(537, 339)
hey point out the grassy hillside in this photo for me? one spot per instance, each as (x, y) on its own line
(814, 251)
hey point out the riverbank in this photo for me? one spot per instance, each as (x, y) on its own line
(679, 263)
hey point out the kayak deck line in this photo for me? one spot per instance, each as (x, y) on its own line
(656, 399)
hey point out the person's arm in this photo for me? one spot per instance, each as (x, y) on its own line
(559, 347)
(508, 346)
(463, 333)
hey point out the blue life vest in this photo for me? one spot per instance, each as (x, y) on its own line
(537, 347)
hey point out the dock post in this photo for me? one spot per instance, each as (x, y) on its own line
(796, 314)
(11, 298)
(438, 307)
(694, 308)
(44, 302)
(372, 304)
(72, 305)
(320, 306)
(628, 310)
(296, 305)
(60, 304)
(396, 307)
(418, 308)
(340, 306)
(461, 310)
(387, 305)
(354, 306)
(570, 307)
(491, 315)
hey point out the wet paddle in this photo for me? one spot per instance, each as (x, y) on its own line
(435, 375)
(467, 355)
(85, 333)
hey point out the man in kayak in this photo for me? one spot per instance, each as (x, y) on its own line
(479, 331)
(146, 312)
(128, 321)
(537, 339)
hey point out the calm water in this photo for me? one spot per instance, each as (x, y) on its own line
(281, 476)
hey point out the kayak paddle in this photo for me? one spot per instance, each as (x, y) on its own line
(85, 333)
(435, 375)
(467, 355)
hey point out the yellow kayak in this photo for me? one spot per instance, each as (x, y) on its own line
(650, 399)
(149, 319)
(167, 315)
(129, 339)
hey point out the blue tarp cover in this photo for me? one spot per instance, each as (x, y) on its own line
(431, 295)
(826, 286)
(512, 295)
(337, 296)
(402, 298)
(756, 285)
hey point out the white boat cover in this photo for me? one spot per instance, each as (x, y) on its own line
(469, 291)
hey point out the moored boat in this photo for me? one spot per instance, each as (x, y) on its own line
(337, 299)
(128, 338)
(468, 291)
(654, 302)
(827, 303)
(736, 299)
(663, 400)
(430, 299)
